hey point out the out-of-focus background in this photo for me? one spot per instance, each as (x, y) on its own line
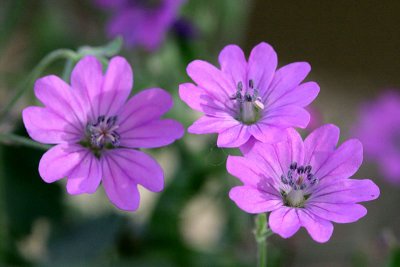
(354, 50)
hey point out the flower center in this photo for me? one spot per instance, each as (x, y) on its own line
(102, 134)
(250, 104)
(296, 186)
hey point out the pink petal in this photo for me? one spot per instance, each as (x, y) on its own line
(208, 124)
(146, 106)
(248, 147)
(301, 96)
(117, 85)
(140, 168)
(233, 62)
(234, 136)
(46, 127)
(58, 97)
(60, 160)
(192, 95)
(266, 133)
(339, 213)
(267, 158)
(345, 191)
(284, 221)
(276, 158)
(324, 139)
(119, 187)
(248, 171)
(252, 200)
(343, 163)
(198, 99)
(155, 133)
(262, 65)
(287, 116)
(86, 176)
(291, 150)
(86, 81)
(319, 229)
(286, 79)
(211, 79)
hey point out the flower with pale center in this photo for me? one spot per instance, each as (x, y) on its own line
(248, 99)
(302, 183)
(97, 132)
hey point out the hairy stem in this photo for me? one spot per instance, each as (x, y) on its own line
(261, 233)
(35, 73)
(19, 140)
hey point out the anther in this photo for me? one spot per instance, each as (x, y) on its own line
(248, 97)
(239, 86)
(251, 84)
(293, 166)
(300, 170)
(284, 180)
(307, 169)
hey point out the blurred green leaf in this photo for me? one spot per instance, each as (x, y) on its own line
(27, 197)
(86, 243)
(394, 258)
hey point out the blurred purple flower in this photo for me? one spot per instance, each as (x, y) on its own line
(378, 127)
(96, 131)
(140, 22)
(244, 99)
(303, 184)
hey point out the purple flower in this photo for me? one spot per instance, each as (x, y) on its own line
(303, 184)
(96, 132)
(141, 22)
(378, 127)
(248, 98)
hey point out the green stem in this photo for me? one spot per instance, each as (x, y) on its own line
(35, 73)
(69, 64)
(261, 233)
(19, 140)
(3, 218)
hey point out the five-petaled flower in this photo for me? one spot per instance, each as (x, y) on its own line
(303, 184)
(141, 22)
(378, 127)
(97, 131)
(250, 98)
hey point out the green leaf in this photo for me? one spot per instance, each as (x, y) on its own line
(394, 258)
(27, 197)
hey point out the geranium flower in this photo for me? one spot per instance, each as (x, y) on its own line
(248, 98)
(141, 22)
(303, 184)
(378, 127)
(97, 133)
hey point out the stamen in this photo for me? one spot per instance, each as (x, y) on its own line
(249, 103)
(103, 132)
(251, 84)
(293, 166)
(297, 184)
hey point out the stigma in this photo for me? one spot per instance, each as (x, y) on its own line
(250, 104)
(103, 132)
